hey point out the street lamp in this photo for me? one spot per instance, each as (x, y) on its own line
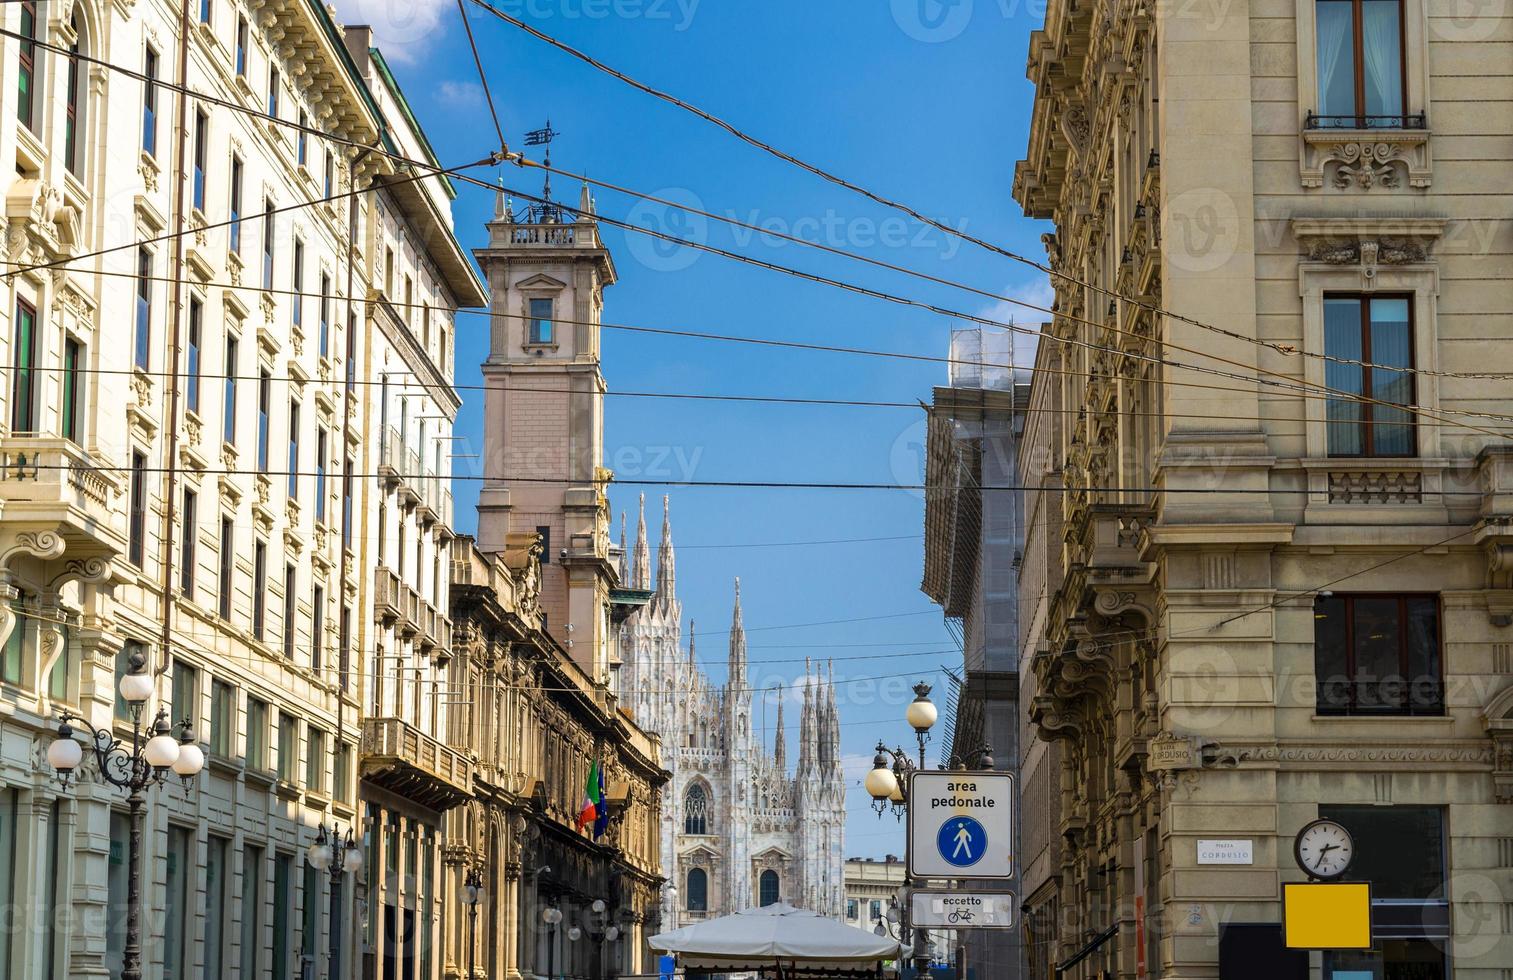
(472, 897)
(886, 783)
(551, 915)
(333, 853)
(154, 751)
(602, 933)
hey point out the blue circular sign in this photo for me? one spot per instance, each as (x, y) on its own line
(962, 841)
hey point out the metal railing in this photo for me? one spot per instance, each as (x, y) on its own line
(1317, 121)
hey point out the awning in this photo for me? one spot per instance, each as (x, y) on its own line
(777, 936)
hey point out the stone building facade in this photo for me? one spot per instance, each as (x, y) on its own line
(190, 400)
(1278, 592)
(537, 723)
(738, 830)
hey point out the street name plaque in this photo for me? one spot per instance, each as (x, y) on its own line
(961, 825)
(939, 909)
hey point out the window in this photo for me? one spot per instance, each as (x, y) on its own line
(409, 302)
(176, 912)
(273, 87)
(346, 505)
(1376, 330)
(222, 718)
(251, 912)
(328, 182)
(73, 149)
(294, 450)
(73, 367)
(1360, 51)
(186, 692)
(1401, 851)
(144, 308)
(236, 204)
(217, 902)
(324, 339)
(129, 649)
(851, 909)
(259, 590)
(201, 138)
(56, 885)
(544, 532)
(269, 229)
(257, 734)
(1378, 654)
(283, 912)
(342, 777)
(344, 646)
(24, 370)
(875, 910)
(297, 300)
(26, 81)
(302, 139)
(351, 379)
(698, 890)
(57, 681)
(241, 47)
(288, 746)
(318, 629)
(136, 538)
(264, 396)
(320, 474)
(541, 321)
(315, 759)
(188, 544)
(192, 355)
(696, 810)
(310, 914)
(767, 888)
(150, 103)
(228, 392)
(290, 601)
(228, 563)
(205, 10)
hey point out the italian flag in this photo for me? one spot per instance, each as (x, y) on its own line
(593, 797)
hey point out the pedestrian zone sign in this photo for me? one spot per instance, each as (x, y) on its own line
(961, 825)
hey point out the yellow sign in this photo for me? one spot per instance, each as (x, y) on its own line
(1326, 916)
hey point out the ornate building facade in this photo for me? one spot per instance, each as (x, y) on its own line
(738, 830)
(1266, 576)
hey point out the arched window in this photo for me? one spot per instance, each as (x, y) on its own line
(73, 150)
(698, 890)
(769, 892)
(696, 811)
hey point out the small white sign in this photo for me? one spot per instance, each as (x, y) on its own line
(1226, 852)
(961, 825)
(961, 910)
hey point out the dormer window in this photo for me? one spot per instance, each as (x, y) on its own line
(541, 320)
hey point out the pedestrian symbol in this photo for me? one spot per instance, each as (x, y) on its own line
(962, 841)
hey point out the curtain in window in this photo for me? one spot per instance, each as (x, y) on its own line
(1383, 53)
(1392, 434)
(1334, 24)
(1342, 339)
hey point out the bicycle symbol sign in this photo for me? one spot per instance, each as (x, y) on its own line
(962, 841)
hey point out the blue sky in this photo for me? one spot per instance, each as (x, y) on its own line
(922, 100)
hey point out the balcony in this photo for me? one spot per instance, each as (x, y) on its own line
(57, 501)
(386, 595)
(404, 760)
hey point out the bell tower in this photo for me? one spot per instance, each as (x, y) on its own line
(544, 412)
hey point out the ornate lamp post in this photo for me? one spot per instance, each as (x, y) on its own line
(603, 934)
(333, 853)
(154, 751)
(551, 915)
(886, 783)
(472, 897)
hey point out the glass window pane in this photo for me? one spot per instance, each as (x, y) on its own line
(1399, 849)
(1342, 339)
(1425, 691)
(1382, 56)
(1330, 667)
(1378, 666)
(1391, 344)
(1336, 40)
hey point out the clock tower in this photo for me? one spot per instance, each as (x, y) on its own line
(544, 413)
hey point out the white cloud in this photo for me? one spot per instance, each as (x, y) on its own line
(1035, 292)
(403, 29)
(460, 93)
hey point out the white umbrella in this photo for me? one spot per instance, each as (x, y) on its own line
(777, 935)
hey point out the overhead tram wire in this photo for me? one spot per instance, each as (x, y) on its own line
(483, 78)
(522, 161)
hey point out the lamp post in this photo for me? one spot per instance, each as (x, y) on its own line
(154, 751)
(472, 897)
(335, 855)
(603, 933)
(551, 915)
(887, 783)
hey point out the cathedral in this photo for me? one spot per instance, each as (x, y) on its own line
(738, 829)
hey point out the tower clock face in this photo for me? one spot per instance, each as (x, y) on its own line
(1324, 850)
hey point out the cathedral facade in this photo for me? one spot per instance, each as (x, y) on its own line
(738, 829)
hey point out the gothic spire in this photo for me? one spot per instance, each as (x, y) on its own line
(806, 722)
(779, 741)
(641, 564)
(667, 584)
(737, 644)
(692, 656)
(623, 556)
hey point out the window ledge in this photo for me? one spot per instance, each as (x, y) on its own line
(1366, 158)
(1381, 719)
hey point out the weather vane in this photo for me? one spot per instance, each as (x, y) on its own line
(546, 210)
